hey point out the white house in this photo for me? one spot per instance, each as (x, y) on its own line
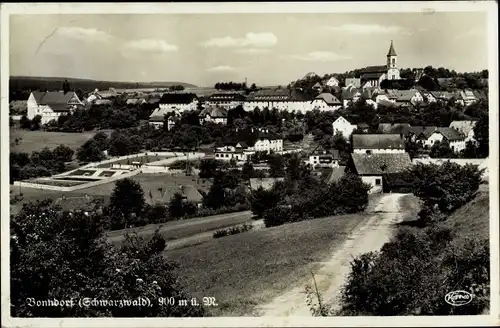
(52, 104)
(225, 100)
(214, 114)
(236, 147)
(378, 143)
(332, 82)
(282, 99)
(320, 157)
(413, 96)
(465, 127)
(466, 97)
(373, 167)
(178, 102)
(326, 102)
(455, 139)
(343, 126)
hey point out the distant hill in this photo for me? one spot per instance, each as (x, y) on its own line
(55, 83)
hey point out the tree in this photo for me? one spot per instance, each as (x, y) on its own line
(262, 200)
(470, 150)
(176, 206)
(247, 171)
(63, 153)
(89, 152)
(276, 165)
(481, 134)
(36, 123)
(127, 200)
(62, 256)
(208, 167)
(120, 144)
(25, 123)
(441, 149)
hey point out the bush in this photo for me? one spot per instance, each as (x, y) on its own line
(233, 230)
(412, 274)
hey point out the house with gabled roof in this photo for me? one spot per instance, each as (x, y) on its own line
(443, 96)
(378, 143)
(178, 102)
(343, 126)
(465, 97)
(412, 97)
(214, 114)
(332, 82)
(320, 157)
(372, 168)
(455, 139)
(317, 87)
(326, 102)
(51, 105)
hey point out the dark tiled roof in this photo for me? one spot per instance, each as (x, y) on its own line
(157, 119)
(377, 141)
(336, 174)
(214, 112)
(375, 69)
(191, 194)
(378, 164)
(52, 97)
(177, 98)
(406, 95)
(372, 76)
(329, 98)
(450, 133)
(320, 150)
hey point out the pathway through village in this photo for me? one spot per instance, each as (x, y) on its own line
(369, 236)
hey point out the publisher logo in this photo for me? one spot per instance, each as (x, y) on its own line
(458, 298)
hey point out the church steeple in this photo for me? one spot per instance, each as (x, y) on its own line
(391, 52)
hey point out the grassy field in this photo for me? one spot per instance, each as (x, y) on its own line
(36, 140)
(247, 269)
(183, 228)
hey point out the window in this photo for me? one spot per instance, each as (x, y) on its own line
(393, 61)
(377, 182)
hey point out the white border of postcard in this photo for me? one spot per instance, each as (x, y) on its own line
(490, 7)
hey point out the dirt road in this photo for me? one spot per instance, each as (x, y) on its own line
(369, 236)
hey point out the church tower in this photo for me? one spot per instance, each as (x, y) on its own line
(392, 64)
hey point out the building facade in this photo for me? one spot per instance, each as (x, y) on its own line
(52, 104)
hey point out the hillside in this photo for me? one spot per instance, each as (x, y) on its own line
(54, 83)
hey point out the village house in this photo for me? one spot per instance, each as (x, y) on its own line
(51, 105)
(225, 100)
(326, 102)
(332, 82)
(178, 102)
(378, 143)
(455, 139)
(282, 99)
(157, 120)
(317, 87)
(412, 97)
(372, 168)
(443, 96)
(420, 134)
(322, 158)
(465, 97)
(341, 125)
(465, 127)
(242, 144)
(214, 114)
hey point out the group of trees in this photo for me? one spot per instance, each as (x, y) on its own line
(56, 256)
(45, 162)
(33, 124)
(412, 273)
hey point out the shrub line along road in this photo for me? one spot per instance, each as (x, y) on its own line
(370, 235)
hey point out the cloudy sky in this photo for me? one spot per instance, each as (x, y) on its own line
(267, 49)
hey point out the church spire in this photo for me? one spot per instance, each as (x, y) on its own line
(392, 52)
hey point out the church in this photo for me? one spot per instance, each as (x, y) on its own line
(372, 76)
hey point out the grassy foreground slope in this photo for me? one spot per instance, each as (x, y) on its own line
(248, 269)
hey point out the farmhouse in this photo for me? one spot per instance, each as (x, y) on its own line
(455, 139)
(341, 125)
(378, 143)
(225, 100)
(52, 104)
(177, 102)
(322, 158)
(326, 102)
(294, 100)
(215, 114)
(373, 167)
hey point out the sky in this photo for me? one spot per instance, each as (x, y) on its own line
(266, 49)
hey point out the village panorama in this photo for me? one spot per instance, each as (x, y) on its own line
(357, 186)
